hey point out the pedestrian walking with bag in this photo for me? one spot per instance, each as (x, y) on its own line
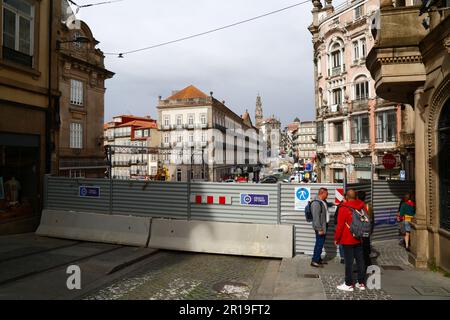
(407, 213)
(336, 215)
(367, 248)
(319, 211)
(353, 225)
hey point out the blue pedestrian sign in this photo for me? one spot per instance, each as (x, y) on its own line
(302, 197)
(250, 199)
(402, 175)
(308, 167)
(89, 192)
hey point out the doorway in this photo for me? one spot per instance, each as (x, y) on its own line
(444, 168)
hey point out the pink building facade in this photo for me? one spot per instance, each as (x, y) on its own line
(355, 128)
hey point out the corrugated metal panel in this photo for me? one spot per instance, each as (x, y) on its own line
(387, 196)
(150, 198)
(304, 234)
(235, 212)
(364, 187)
(63, 193)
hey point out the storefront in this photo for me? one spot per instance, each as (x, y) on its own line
(19, 176)
(363, 169)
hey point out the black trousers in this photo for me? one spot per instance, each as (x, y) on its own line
(351, 253)
(366, 252)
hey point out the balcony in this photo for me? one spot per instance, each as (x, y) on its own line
(407, 139)
(337, 147)
(395, 62)
(360, 104)
(336, 71)
(121, 163)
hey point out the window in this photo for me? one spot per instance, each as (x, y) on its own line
(18, 17)
(336, 59)
(76, 135)
(355, 50)
(76, 92)
(191, 119)
(360, 129)
(204, 136)
(338, 131)
(363, 47)
(138, 134)
(191, 137)
(179, 138)
(338, 175)
(166, 121)
(359, 11)
(362, 89)
(166, 138)
(337, 96)
(203, 119)
(386, 126)
(179, 120)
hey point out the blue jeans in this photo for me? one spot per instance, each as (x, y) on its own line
(320, 241)
(341, 251)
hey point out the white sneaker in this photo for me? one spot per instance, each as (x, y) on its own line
(360, 286)
(345, 287)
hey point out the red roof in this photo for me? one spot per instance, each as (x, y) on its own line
(140, 124)
(189, 92)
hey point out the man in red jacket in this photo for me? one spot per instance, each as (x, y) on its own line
(352, 246)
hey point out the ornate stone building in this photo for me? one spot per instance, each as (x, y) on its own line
(410, 63)
(81, 76)
(355, 127)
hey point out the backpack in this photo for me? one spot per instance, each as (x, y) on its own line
(308, 212)
(361, 226)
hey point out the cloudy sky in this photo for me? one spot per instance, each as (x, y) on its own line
(271, 56)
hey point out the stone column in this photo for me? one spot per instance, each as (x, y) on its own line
(419, 233)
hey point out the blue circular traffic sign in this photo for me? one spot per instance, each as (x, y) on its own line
(302, 194)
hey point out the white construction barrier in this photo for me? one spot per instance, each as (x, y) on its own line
(247, 239)
(115, 229)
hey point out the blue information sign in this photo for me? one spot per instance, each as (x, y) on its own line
(249, 199)
(308, 167)
(89, 192)
(402, 175)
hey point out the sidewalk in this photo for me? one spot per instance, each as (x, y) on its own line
(295, 279)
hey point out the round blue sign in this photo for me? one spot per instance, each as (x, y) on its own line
(83, 191)
(247, 199)
(302, 194)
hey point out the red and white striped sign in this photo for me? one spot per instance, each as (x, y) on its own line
(210, 199)
(339, 195)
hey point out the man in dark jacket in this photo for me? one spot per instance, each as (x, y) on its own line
(319, 209)
(352, 246)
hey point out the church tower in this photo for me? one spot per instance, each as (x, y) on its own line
(258, 111)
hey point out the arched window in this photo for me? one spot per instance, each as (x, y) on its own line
(361, 88)
(336, 57)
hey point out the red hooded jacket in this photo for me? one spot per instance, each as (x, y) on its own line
(342, 235)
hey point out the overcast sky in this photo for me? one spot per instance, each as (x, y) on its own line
(271, 56)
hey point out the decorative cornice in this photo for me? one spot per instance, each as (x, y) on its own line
(400, 60)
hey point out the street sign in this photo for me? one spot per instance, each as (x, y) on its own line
(250, 199)
(302, 197)
(308, 167)
(89, 192)
(339, 195)
(389, 161)
(402, 175)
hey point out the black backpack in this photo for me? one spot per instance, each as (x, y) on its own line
(308, 212)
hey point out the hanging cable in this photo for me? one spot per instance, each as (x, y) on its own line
(122, 54)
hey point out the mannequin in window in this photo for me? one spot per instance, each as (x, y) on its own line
(12, 189)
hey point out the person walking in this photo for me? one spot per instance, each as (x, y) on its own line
(319, 209)
(407, 212)
(400, 219)
(367, 249)
(352, 246)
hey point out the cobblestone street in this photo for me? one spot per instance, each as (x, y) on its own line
(189, 276)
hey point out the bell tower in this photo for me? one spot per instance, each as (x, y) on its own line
(258, 111)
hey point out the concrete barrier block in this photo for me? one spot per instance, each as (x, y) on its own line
(116, 229)
(261, 240)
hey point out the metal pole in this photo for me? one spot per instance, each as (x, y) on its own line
(110, 179)
(372, 169)
(189, 187)
(279, 204)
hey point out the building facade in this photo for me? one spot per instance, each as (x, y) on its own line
(81, 79)
(132, 143)
(203, 138)
(304, 142)
(28, 98)
(410, 63)
(355, 127)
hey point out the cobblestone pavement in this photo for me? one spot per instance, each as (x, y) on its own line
(392, 254)
(188, 276)
(331, 281)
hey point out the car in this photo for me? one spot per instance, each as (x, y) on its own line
(269, 179)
